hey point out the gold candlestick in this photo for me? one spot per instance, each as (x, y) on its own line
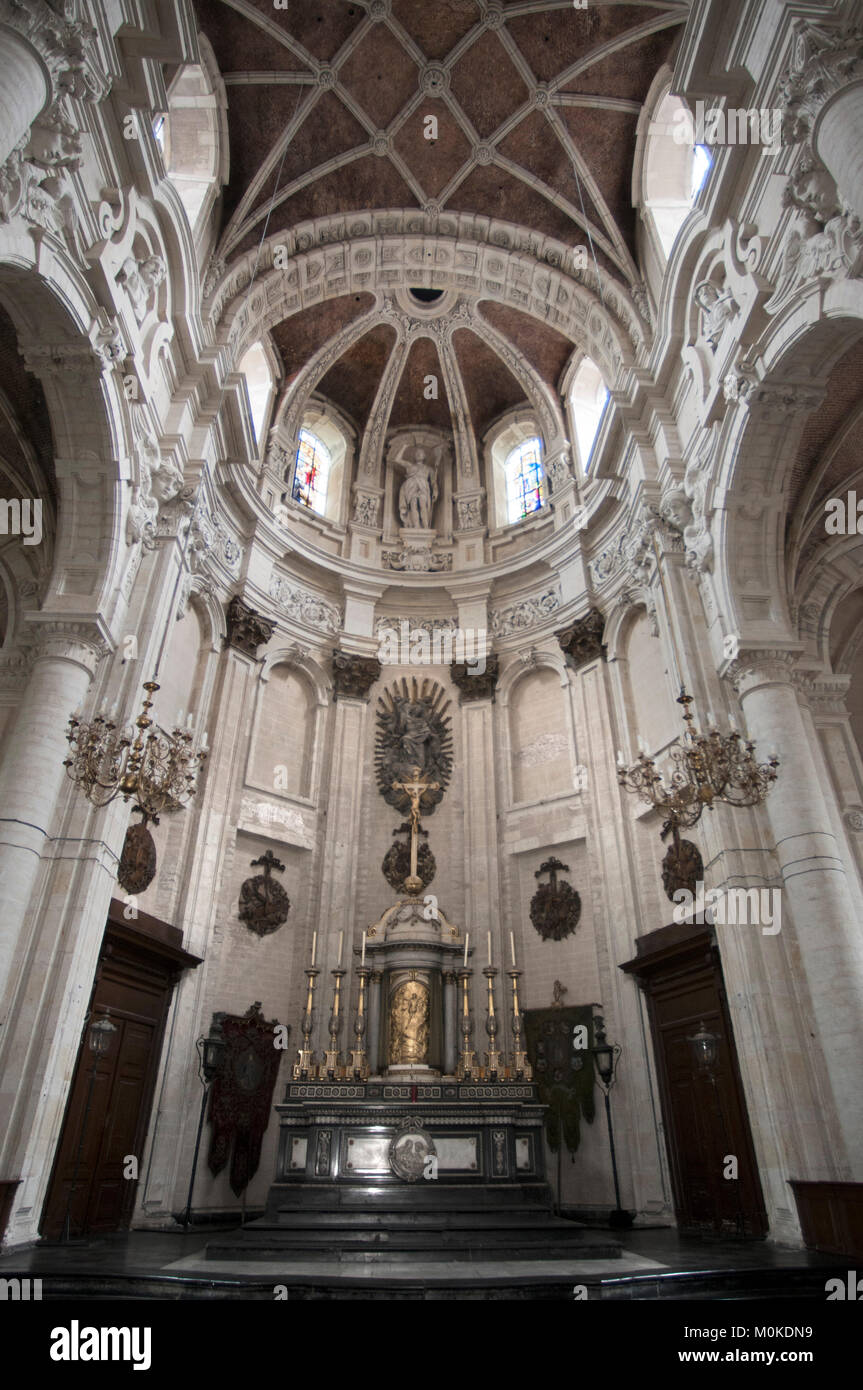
(331, 1056)
(522, 1070)
(359, 1063)
(304, 1067)
(466, 1058)
(493, 1066)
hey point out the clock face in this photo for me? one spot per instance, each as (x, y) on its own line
(248, 1070)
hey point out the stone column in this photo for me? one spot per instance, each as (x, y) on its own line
(482, 887)
(353, 678)
(32, 773)
(25, 89)
(373, 1042)
(816, 891)
(450, 1039)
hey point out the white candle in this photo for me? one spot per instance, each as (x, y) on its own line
(620, 758)
(512, 949)
(314, 945)
(466, 940)
(190, 721)
(204, 742)
(178, 722)
(488, 934)
(341, 942)
(642, 746)
(363, 961)
(732, 722)
(711, 722)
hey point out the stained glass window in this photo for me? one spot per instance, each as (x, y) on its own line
(525, 486)
(311, 473)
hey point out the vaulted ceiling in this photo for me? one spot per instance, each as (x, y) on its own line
(534, 104)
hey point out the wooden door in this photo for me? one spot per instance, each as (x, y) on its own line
(705, 1119)
(111, 1095)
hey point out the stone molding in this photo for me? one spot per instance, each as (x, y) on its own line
(822, 62)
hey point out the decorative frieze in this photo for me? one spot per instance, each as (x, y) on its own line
(530, 612)
(304, 607)
(417, 559)
(823, 61)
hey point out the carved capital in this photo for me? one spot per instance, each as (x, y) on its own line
(823, 61)
(757, 667)
(475, 685)
(247, 629)
(354, 676)
(582, 642)
(82, 643)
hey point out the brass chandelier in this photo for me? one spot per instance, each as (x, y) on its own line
(139, 760)
(706, 767)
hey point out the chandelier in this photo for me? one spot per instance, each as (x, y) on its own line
(705, 768)
(139, 760)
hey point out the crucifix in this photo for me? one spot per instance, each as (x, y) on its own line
(414, 790)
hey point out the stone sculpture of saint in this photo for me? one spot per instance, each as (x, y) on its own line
(419, 491)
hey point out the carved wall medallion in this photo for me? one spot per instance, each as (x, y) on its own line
(413, 731)
(137, 867)
(582, 642)
(555, 908)
(247, 630)
(264, 904)
(682, 867)
(396, 864)
(409, 1149)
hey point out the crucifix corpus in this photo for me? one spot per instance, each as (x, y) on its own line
(414, 790)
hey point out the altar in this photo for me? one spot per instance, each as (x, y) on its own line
(406, 1137)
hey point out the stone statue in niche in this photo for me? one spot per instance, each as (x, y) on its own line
(419, 491)
(717, 308)
(409, 1024)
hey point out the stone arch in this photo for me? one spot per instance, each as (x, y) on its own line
(757, 450)
(300, 658)
(54, 324)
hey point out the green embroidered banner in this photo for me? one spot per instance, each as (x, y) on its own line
(564, 1073)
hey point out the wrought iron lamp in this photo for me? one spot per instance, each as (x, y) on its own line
(706, 768)
(211, 1050)
(605, 1055)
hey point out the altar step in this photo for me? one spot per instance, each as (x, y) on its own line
(401, 1236)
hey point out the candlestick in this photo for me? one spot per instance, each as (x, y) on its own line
(359, 1064)
(331, 1055)
(466, 1057)
(466, 940)
(521, 1068)
(492, 1056)
(304, 1067)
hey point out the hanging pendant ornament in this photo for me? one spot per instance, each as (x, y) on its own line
(137, 867)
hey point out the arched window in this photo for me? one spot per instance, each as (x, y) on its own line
(675, 169)
(525, 481)
(588, 397)
(312, 473)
